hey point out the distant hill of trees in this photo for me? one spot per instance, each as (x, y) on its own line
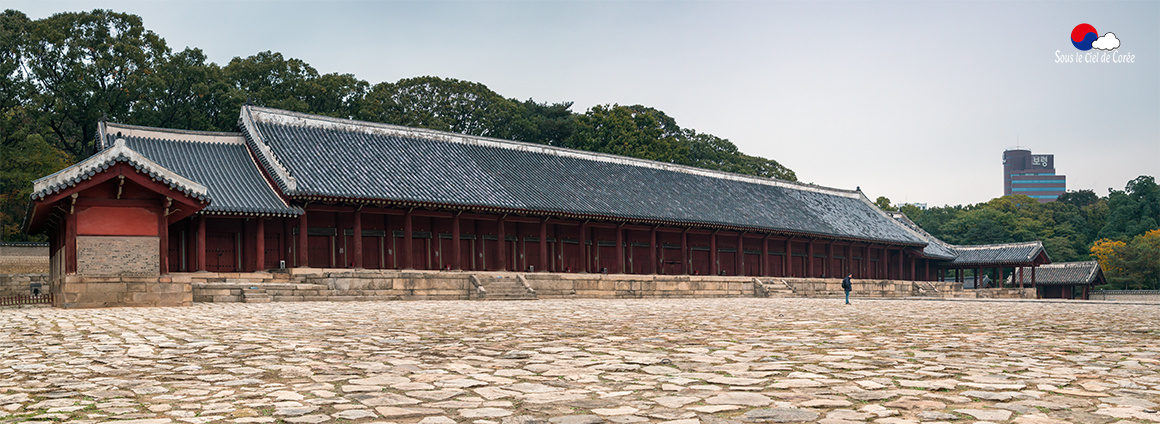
(1121, 230)
(64, 73)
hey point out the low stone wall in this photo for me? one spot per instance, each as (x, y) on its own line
(1126, 295)
(75, 291)
(19, 284)
(24, 258)
(314, 284)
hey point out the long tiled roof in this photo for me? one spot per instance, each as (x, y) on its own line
(219, 161)
(320, 157)
(120, 152)
(1068, 273)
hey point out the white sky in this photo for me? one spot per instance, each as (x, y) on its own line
(911, 100)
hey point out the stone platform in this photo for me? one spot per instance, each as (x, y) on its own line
(316, 284)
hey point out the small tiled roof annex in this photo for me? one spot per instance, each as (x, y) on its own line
(218, 160)
(119, 152)
(316, 157)
(998, 254)
(1069, 273)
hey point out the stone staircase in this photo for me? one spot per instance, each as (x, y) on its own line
(501, 288)
(255, 295)
(772, 288)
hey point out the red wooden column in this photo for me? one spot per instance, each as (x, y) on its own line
(926, 270)
(652, 242)
(900, 265)
(260, 244)
(163, 238)
(685, 269)
(827, 267)
(286, 243)
(810, 259)
(199, 242)
(543, 245)
(739, 260)
(764, 264)
(913, 270)
(501, 244)
(408, 240)
(978, 276)
(849, 260)
(358, 239)
(303, 247)
(713, 253)
(620, 249)
(456, 244)
(583, 238)
(786, 259)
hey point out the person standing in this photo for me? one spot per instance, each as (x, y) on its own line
(847, 285)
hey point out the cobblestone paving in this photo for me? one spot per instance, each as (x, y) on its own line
(584, 361)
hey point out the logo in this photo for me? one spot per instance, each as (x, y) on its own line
(1085, 37)
(1093, 47)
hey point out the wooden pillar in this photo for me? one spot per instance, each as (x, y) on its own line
(913, 267)
(865, 271)
(849, 253)
(163, 239)
(408, 240)
(584, 246)
(827, 268)
(456, 243)
(810, 259)
(686, 268)
(787, 258)
(199, 242)
(1020, 277)
(260, 244)
(739, 260)
(926, 270)
(303, 247)
(620, 249)
(286, 244)
(763, 265)
(652, 242)
(543, 245)
(713, 253)
(978, 276)
(501, 252)
(358, 239)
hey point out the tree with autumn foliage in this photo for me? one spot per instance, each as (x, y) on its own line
(1134, 264)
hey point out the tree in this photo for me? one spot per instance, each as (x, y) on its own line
(444, 104)
(1132, 265)
(187, 92)
(1134, 210)
(884, 203)
(636, 131)
(1078, 198)
(85, 66)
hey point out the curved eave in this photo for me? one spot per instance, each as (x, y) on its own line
(593, 216)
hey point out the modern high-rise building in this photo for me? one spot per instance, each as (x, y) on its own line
(1032, 175)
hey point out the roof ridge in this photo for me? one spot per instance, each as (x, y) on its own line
(1008, 244)
(554, 150)
(194, 136)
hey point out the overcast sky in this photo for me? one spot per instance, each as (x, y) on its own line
(915, 101)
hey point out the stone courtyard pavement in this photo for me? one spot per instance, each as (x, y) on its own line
(584, 361)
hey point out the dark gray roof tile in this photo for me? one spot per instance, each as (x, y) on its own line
(315, 156)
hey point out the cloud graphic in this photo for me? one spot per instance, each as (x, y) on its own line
(1107, 42)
